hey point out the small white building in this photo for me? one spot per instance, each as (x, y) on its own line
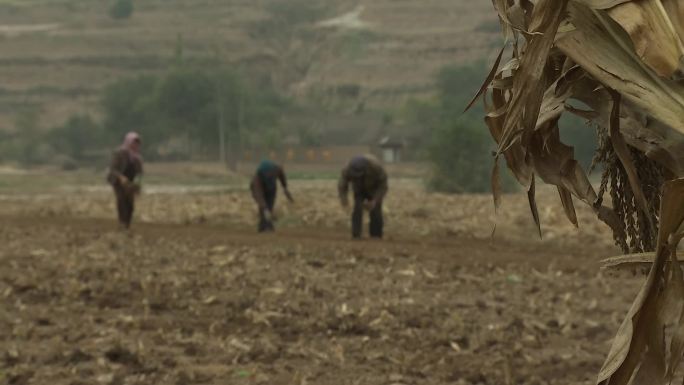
(390, 149)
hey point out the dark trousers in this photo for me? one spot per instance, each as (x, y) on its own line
(264, 224)
(125, 205)
(376, 221)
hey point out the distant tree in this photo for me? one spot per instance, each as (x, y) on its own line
(206, 108)
(309, 137)
(247, 110)
(456, 85)
(131, 104)
(456, 144)
(72, 138)
(458, 151)
(26, 145)
(179, 50)
(121, 9)
(183, 96)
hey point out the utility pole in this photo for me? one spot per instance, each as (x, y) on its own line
(221, 121)
(221, 105)
(236, 138)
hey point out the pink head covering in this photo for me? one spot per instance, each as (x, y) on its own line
(128, 145)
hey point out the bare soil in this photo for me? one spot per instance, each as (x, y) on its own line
(206, 300)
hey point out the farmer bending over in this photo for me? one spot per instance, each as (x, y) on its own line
(264, 188)
(369, 183)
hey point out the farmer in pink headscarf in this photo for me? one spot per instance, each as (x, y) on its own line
(124, 175)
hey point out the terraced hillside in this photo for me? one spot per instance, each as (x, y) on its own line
(58, 54)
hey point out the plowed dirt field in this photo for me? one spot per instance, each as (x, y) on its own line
(193, 295)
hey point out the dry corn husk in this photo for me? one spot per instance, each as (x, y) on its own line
(621, 61)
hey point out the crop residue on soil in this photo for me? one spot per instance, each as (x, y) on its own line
(214, 303)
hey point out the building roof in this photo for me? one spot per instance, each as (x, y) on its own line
(390, 142)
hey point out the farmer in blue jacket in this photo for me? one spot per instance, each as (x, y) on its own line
(264, 188)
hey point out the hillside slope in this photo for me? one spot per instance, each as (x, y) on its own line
(58, 54)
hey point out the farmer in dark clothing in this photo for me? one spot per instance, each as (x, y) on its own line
(369, 183)
(124, 175)
(264, 187)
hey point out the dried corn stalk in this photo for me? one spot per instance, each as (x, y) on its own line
(618, 64)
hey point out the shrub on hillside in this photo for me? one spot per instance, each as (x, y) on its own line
(121, 9)
(295, 12)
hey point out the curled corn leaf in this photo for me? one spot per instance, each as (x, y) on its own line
(619, 65)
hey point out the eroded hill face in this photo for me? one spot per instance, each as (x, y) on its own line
(58, 54)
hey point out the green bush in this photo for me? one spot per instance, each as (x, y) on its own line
(121, 9)
(460, 153)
